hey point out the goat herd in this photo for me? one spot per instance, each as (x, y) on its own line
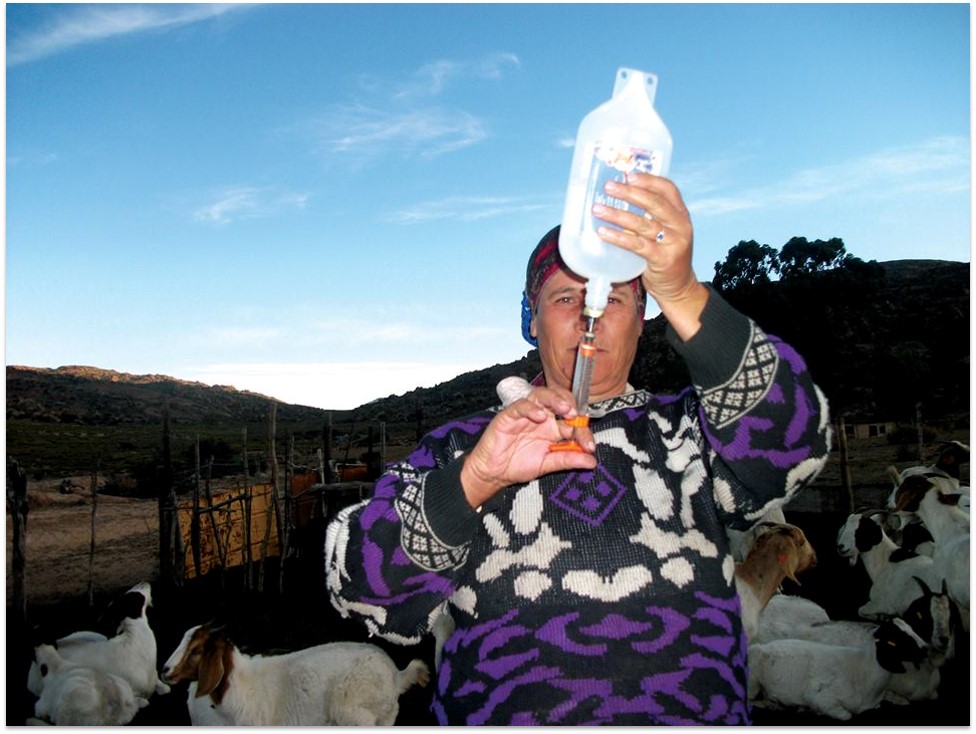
(914, 552)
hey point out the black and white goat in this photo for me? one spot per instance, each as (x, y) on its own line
(937, 505)
(952, 455)
(338, 683)
(130, 654)
(891, 569)
(835, 680)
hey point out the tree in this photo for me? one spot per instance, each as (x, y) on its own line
(800, 257)
(748, 263)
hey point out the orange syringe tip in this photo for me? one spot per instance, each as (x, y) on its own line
(569, 445)
(580, 421)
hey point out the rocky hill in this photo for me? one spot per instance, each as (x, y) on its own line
(93, 396)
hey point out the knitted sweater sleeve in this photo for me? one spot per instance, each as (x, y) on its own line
(391, 561)
(765, 422)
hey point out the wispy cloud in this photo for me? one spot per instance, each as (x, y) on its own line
(435, 77)
(247, 202)
(493, 66)
(75, 25)
(936, 165)
(366, 131)
(406, 115)
(466, 209)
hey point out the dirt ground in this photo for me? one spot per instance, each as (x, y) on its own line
(59, 566)
(59, 534)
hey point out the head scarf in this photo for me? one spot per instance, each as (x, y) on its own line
(543, 262)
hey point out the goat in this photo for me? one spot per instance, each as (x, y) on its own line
(784, 615)
(890, 568)
(952, 455)
(833, 680)
(930, 616)
(77, 695)
(338, 683)
(130, 654)
(781, 552)
(742, 541)
(928, 498)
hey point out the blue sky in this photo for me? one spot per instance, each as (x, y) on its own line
(330, 204)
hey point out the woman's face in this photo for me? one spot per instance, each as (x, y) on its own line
(558, 323)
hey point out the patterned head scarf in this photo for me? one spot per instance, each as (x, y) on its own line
(543, 262)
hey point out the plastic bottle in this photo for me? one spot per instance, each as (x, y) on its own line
(621, 136)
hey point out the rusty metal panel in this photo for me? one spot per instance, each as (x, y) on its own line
(228, 521)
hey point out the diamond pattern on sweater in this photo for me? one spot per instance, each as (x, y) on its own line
(417, 538)
(727, 403)
(589, 495)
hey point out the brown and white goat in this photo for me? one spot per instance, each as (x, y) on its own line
(338, 683)
(782, 551)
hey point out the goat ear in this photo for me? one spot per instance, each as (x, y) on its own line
(211, 671)
(925, 589)
(788, 560)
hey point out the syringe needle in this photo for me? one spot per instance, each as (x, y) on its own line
(583, 372)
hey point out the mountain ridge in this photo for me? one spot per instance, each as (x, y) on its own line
(94, 395)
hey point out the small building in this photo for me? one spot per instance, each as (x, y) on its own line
(865, 428)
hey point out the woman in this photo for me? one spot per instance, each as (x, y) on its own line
(592, 587)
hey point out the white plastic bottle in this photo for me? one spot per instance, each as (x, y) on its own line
(621, 136)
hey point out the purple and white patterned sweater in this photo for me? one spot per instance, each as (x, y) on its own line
(603, 596)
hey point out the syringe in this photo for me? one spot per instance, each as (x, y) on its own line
(582, 377)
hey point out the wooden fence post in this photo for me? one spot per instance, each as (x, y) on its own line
(285, 535)
(221, 553)
(169, 535)
(845, 465)
(18, 507)
(248, 556)
(273, 500)
(91, 542)
(195, 516)
(327, 476)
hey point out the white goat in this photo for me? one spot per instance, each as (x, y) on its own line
(930, 617)
(937, 506)
(892, 570)
(781, 552)
(785, 614)
(76, 695)
(131, 653)
(339, 683)
(833, 680)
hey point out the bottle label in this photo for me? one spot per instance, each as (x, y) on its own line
(613, 163)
